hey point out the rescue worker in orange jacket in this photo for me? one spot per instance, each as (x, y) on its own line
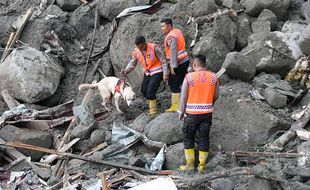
(199, 92)
(154, 65)
(178, 58)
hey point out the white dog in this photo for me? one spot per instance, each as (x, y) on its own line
(112, 86)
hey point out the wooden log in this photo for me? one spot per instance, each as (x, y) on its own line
(59, 111)
(12, 35)
(279, 143)
(71, 179)
(9, 100)
(104, 184)
(63, 154)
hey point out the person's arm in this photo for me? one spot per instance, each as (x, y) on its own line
(131, 65)
(183, 99)
(173, 54)
(160, 55)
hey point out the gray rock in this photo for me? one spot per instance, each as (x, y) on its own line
(260, 55)
(97, 137)
(82, 145)
(226, 30)
(68, 5)
(214, 49)
(140, 122)
(239, 67)
(54, 10)
(165, 128)
(304, 149)
(243, 31)
(202, 7)
(268, 15)
(219, 2)
(174, 156)
(306, 10)
(33, 86)
(259, 184)
(109, 9)
(81, 20)
(106, 64)
(305, 99)
(261, 26)
(82, 132)
(138, 161)
(11, 133)
(275, 98)
(53, 180)
(239, 122)
(262, 78)
(278, 7)
(304, 41)
(222, 184)
(231, 4)
(5, 23)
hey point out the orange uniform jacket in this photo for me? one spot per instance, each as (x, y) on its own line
(150, 63)
(201, 91)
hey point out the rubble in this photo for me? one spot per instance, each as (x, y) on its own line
(275, 98)
(267, 15)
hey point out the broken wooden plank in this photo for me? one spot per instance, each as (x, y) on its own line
(66, 138)
(51, 158)
(266, 154)
(16, 154)
(279, 143)
(62, 110)
(71, 179)
(97, 148)
(50, 151)
(104, 184)
(18, 33)
(84, 2)
(12, 35)
(9, 100)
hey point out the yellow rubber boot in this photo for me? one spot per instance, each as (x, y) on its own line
(174, 102)
(152, 107)
(190, 160)
(202, 161)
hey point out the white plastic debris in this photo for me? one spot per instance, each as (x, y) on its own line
(159, 183)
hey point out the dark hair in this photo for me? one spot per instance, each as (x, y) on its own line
(201, 59)
(166, 21)
(139, 40)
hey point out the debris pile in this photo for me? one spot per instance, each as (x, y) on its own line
(54, 137)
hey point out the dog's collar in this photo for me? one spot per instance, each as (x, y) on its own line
(118, 86)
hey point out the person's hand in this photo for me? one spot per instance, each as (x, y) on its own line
(166, 77)
(123, 71)
(181, 116)
(172, 71)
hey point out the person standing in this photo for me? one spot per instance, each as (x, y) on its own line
(178, 58)
(199, 92)
(153, 61)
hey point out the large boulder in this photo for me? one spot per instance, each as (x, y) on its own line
(304, 41)
(278, 7)
(306, 10)
(68, 5)
(264, 58)
(226, 30)
(202, 7)
(174, 156)
(11, 133)
(140, 122)
(275, 98)
(239, 66)
(268, 15)
(109, 9)
(165, 128)
(30, 75)
(214, 49)
(240, 122)
(82, 20)
(244, 30)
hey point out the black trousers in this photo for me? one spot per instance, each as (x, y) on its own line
(175, 81)
(150, 85)
(200, 123)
